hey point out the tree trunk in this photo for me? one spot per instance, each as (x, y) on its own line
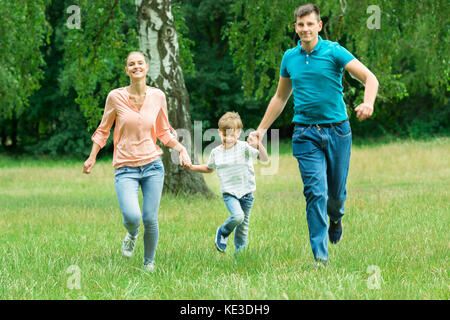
(158, 41)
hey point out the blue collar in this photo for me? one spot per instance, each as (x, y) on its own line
(316, 48)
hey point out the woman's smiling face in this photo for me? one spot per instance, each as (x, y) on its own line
(136, 67)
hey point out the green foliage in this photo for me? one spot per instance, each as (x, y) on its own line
(69, 139)
(185, 44)
(215, 87)
(230, 54)
(94, 56)
(23, 30)
(408, 53)
(257, 42)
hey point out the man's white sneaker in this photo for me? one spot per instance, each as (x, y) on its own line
(128, 246)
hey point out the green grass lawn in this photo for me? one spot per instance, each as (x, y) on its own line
(395, 243)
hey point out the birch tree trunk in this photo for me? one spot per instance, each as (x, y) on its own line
(158, 41)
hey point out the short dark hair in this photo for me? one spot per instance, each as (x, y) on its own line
(306, 9)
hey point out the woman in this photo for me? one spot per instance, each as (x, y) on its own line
(140, 113)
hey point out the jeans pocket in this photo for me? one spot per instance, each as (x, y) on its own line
(298, 132)
(118, 173)
(343, 130)
(303, 145)
(120, 170)
(158, 165)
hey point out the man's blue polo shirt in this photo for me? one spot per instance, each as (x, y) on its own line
(317, 81)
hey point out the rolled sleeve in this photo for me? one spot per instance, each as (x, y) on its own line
(163, 128)
(102, 133)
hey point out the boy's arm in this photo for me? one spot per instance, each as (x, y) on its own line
(203, 168)
(263, 156)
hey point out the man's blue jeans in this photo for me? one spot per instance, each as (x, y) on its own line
(323, 155)
(150, 178)
(239, 218)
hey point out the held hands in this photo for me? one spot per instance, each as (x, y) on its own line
(255, 138)
(364, 111)
(185, 159)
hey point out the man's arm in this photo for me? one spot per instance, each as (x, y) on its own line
(276, 106)
(363, 74)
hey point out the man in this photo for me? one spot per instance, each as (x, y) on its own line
(321, 141)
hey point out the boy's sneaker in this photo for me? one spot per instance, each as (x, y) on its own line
(149, 267)
(128, 245)
(221, 241)
(335, 231)
(320, 263)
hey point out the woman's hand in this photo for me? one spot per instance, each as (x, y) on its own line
(88, 165)
(185, 159)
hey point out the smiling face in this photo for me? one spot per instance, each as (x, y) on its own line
(229, 137)
(308, 27)
(136, 67)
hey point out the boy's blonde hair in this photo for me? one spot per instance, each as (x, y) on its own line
(230, 120)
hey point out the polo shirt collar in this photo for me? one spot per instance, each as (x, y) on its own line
(316, 48)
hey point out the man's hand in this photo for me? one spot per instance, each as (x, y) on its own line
(364, 111)
(256, 137)
(253, 139)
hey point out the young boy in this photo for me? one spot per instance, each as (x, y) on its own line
(233, 161)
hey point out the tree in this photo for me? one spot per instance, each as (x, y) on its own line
(158, 41)
(23, 29)
(95, 57)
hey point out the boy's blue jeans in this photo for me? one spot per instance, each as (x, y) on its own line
(323, 156)
(239, 218)
(150, 178)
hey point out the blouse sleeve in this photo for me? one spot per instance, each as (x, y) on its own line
(103, 130)
(163, 127)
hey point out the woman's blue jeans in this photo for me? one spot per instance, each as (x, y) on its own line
(323, 155)
(150, 178)
(239, 219)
